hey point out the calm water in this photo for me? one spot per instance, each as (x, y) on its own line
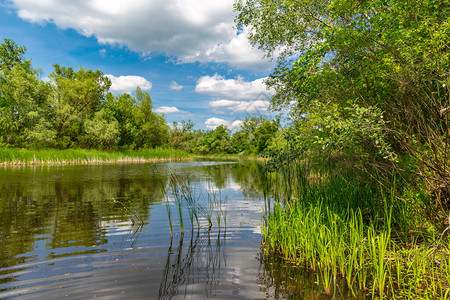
(103, 231)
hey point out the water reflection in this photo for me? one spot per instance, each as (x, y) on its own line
(83, 223)
(201, 261)
(281, 281)
(65, 207)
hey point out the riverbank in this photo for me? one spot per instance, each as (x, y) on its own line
(23, 157)
(351, 235)
(230, 156)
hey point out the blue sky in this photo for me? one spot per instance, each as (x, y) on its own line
(186, 53)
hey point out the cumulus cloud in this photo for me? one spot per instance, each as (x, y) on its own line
(175, 86)
(257, 106)
(212, 123)
(236, 51)
(167, 109)
(234, 89)
(127, 84)
(194, 30)
(172, 110)
(235, 95)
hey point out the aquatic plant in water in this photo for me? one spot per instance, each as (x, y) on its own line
(189, 200)
(345, 233)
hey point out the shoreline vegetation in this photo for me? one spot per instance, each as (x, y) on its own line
(75, 109)
(49, 157)
(367, 87)
(355, 239)
(230, 156)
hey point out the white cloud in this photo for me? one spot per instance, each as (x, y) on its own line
(234, 89)
(127, 84)
(194, 30)
(257, 106)
(175, 86)
(236, 124)
(172, 110)
(212, 123)
(168, 109)
(235, 95)
(236, 51)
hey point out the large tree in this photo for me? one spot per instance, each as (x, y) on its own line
(139, 125)
(182, 135)
(369, 79)
(25, 115)
(77, 97)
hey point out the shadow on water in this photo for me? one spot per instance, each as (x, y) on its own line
(282, 281)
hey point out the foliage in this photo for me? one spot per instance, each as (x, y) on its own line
(102, 131)
(76, 98)
(369, 79)
(215, 141)
(12, 55)
(181, 135)
(25, 116)
(72, 109)
(366, 86)
(255, 135)
(83, 156)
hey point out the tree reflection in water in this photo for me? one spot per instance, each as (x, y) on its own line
(100, 226)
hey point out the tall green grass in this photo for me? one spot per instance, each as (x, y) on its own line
(346, 231)
(11, 156)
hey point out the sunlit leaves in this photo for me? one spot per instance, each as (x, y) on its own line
(347, 63)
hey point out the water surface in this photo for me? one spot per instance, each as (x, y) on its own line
(103, 231)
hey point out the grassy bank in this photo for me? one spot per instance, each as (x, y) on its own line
(347, 233)
(16, 157)
(230, 156)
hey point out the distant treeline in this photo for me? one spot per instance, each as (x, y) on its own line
(74, 109)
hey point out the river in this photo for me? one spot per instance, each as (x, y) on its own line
(188, 230)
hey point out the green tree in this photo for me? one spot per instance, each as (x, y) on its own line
(380, 65)
(102, 131)
(139, 125)
(219, 140)
(214, 141)
(264, 134)
(182, 135)
(77, 97)
(240, 142)
(12, 56)
(72, 109)
(122, 107)
(24, 109)
(152, 128)
(255, 135)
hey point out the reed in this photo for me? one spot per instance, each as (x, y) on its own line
(346, 232)
(199, 207)
(169, 215)
(18, 157)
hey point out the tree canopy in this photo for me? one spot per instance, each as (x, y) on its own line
(365, 81)
(74, 109)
